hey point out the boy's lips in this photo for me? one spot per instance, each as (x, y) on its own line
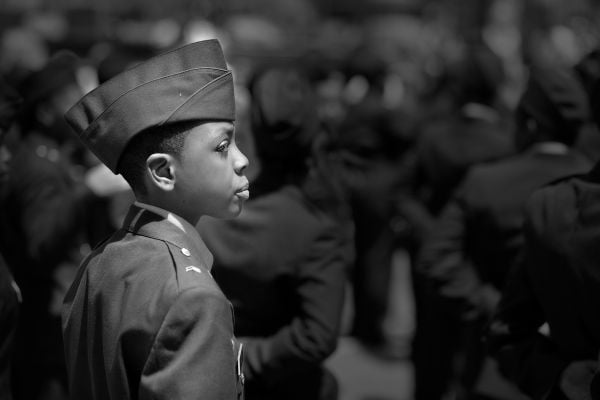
(243, 192)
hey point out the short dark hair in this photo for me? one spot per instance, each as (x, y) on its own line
(168, 139)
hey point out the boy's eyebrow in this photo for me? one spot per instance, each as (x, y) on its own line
(228, 130)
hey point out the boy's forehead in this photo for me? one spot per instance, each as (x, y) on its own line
(214, 129)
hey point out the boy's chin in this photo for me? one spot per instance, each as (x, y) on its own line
(232, 212)
(237, 212)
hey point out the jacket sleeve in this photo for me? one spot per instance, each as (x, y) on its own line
(311, 336)
(525, 356)
(446, 267)
(192, 355)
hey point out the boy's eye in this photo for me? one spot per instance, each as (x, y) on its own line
(223, 146)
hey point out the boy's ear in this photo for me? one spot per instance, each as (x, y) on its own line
(161, 171)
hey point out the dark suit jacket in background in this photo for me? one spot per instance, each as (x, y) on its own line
(283, 264)
(558, 283)
(140, 323)
(476, 241)
(43, 213)
(479, 234)
(448, 147)
(41, 231)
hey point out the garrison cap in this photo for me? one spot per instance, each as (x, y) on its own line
(191, 83)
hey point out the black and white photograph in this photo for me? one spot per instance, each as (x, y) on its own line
(300, 200)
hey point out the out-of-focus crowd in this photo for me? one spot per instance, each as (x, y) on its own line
(470, 148)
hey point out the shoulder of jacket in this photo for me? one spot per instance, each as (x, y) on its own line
(553, 205)
(162, 260)
(190, 269)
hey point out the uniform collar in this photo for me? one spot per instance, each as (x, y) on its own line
(168, 215)
(158, 223)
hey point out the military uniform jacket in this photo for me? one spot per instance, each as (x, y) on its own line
(558, 283)
(144, 319)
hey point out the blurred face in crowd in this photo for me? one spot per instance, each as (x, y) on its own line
(51, 112)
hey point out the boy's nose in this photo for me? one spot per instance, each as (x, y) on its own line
(241, 161)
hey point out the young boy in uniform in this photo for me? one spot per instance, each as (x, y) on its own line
(144, 319)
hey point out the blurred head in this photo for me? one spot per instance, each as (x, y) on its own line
(283, 115)
(48, 93)
(120, 57)
(367, 62)
(553, 107)
(476, 77)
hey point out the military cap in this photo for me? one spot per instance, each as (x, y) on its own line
(190, 83)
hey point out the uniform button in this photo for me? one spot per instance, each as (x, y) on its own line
(186, 252)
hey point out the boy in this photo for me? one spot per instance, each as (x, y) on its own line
(144, 318)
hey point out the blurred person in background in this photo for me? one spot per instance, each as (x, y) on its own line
(478, 236)
(472, 130)
(283, 262)
(369, 143)
(545, 332)
(10, 295)
(587, 70)
(42, 233)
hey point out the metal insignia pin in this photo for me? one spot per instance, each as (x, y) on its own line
(192, 268)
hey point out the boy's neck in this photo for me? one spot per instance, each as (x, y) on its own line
(169, 207)
(175, 220)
